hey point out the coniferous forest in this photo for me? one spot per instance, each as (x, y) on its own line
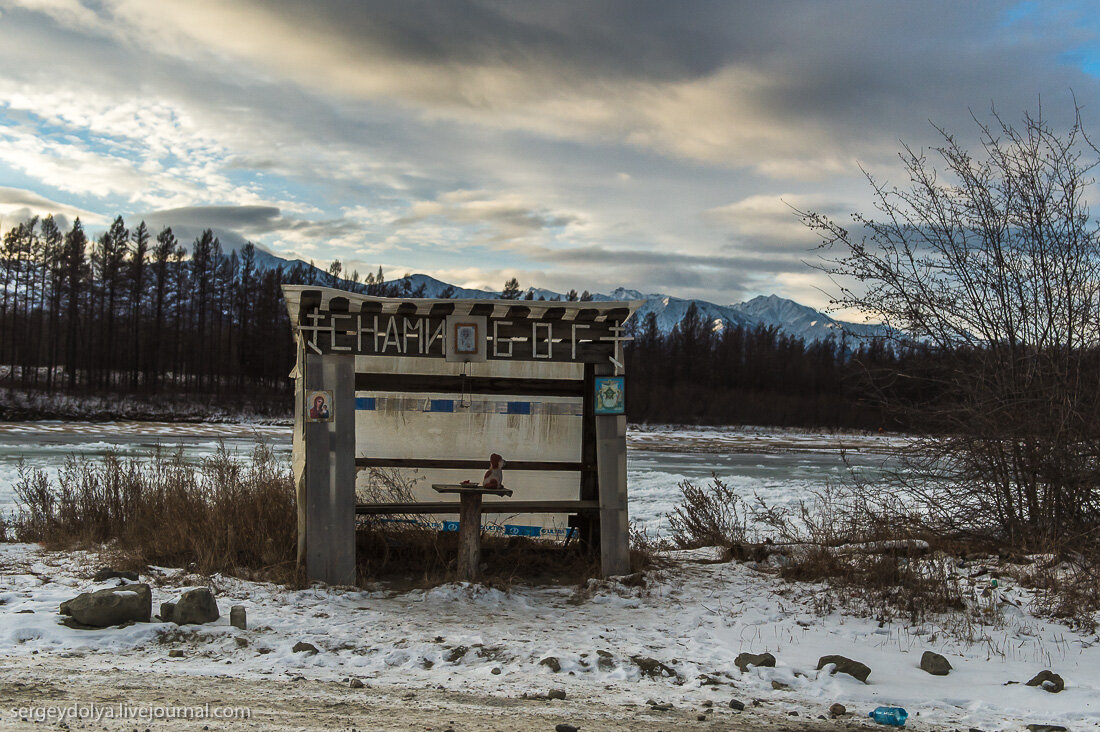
(133, 313)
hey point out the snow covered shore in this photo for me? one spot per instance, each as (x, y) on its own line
(693, 617)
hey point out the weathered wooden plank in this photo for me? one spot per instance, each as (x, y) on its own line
(495, 507)
(423, 383)
(330, 473)
(611, 465)
(374, 462)
(469, 537)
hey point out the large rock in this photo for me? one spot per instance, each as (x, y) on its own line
(112, 606)
(195, 607)
(1049, 681)
(845, 666)
(935, 664)
(744, 660)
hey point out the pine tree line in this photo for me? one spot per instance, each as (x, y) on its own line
(134, 313)
(131, 312)
(754, 375)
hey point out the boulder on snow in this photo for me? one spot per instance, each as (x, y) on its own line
(303, 647)
(1048, 680)
(604, 661)
(166, 610)
(195, 607)
(107, 573)
(838, 710)
(935, 664)
(556, 694)
(744, 660)
(845, 665)
(112, 606)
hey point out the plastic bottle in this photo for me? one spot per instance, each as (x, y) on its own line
(890, 716)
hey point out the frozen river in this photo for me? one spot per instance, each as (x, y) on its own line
(781, 466)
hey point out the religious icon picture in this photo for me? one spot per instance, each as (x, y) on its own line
(319, 406)
(466, 338)
(610, 395)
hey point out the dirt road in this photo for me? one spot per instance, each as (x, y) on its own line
(298, 705)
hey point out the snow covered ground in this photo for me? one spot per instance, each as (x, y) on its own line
(693, 616)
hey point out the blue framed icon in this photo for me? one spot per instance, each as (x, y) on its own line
(610, 395)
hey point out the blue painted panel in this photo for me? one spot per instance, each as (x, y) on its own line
(519, 408)
(442, 405)
(365, 403)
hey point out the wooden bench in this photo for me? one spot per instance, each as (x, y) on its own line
(377, 509)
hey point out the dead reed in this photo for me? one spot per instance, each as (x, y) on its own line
(224, 515)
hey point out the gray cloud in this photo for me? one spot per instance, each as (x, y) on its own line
(646, 144)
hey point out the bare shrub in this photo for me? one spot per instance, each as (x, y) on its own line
(708, 515)
(224, 515)
(987, 266)
(1067, 588)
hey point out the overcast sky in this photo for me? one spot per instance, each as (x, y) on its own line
(654, 145)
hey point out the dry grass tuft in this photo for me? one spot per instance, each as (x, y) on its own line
(225, 515)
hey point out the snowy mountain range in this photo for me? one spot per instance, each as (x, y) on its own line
(790, 317)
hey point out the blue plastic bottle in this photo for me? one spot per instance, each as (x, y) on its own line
(890, 716)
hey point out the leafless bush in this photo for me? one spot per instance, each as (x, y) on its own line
(223, 515)
(708, 515)
(988, 269)
(1067, 588)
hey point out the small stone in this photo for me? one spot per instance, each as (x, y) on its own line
(934, 664)
(551, 663)
(1049, 680)
(738, 705)
(495, 671)
(700, 718)
(241, 642)
(792, 714)
(838, 710)
(166, 610)
(556, 694)
(356, 684)
(845, 665)
(604, 661)
(195, 607)
(238, 617)
(456, 653)
(744, 660)
(779, 685)
(653, 668)
(564, 728)
(302, 647)
(175, 653)
(632, 580)
(708, 704)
